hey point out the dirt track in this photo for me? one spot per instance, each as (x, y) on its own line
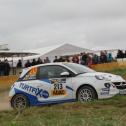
(4, 101)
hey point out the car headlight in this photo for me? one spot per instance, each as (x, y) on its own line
(99, 77)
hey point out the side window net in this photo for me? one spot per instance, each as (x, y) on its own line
(31, 75)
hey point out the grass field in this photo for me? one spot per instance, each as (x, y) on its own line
(119, 71)
(110, 112)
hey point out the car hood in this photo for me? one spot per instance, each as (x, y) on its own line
(109, 76)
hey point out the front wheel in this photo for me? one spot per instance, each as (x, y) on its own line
(86, 94)
(19, 102)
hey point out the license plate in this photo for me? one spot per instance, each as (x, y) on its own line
(122, 91)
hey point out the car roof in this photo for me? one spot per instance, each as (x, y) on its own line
(47, 64)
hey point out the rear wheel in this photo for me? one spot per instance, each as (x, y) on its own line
(19, 102)
(86, 94)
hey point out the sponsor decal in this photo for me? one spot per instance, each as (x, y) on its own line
(31, 74)
(57, 81)
(63, 80)
(36, 91)
(58, 92)
(105, 91)
(33, 71)
(58, 89)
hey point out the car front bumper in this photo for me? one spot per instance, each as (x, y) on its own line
(105, 93)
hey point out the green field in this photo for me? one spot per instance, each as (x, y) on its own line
(110, 112)
(120, 71)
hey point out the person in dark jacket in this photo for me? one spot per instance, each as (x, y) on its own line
(1, 68)
(125, 54)
(6, 68)
(120, 54)
(34, 62)
(39, 61)
(66, 59)
(56, 59)
(19, 64)
(61, 59)
(27, 64)
(84, 59)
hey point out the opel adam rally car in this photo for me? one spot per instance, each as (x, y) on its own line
(62, 82)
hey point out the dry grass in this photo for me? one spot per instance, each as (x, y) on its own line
(6, 82)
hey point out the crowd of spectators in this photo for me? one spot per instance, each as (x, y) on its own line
(84, 58)
(6, 67)
(39, 61)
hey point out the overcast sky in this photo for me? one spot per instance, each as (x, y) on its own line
(26, 24)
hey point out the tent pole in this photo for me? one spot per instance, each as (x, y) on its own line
(12, 66)
(22, 61)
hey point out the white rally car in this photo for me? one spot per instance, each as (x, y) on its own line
(62, 82)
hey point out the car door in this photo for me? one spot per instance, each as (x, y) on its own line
(59, 88)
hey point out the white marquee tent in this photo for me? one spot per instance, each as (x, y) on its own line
(57, 50)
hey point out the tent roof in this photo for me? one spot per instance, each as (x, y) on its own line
(59, 50)
(44, 50)
(4, 47)
(98, 49)
(15, 54)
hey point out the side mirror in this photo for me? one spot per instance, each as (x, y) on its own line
(64, 74)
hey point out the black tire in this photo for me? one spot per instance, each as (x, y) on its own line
(86, 94)
(19, 102)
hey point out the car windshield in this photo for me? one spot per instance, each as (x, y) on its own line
(79, 69)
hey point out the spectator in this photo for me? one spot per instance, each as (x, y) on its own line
(34, 62)
(14, 68)
(109, 57)
(95, 59)
(61, 59)
(103, 57)
(125, 54)
(28, 64)
(56, 59)
(67, 59)
(39, 61)
(1, 68)
(19, 64)
(81, 58)
(75, 59)
(47, 60)
(6, 68)
(84, 59)
(120, 54)
(89, 61)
